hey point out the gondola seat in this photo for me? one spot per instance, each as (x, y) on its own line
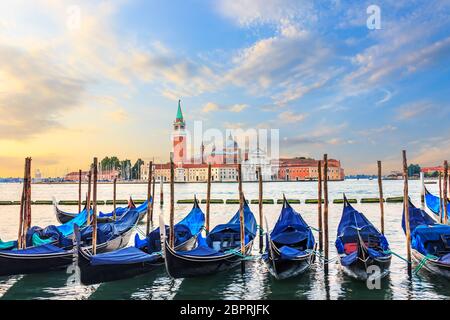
(152, 243)
(288, 252)
(350, 247)
(224, 240)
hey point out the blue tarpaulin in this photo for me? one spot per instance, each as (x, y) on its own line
(417, 217)
(291, 228)
(427, 236)
(190, 226)
(66, 229)
(354, 227)
(231, 232)
(127, 255)
(433, 203)
(289, 253)
(122, 210)
(42, 249)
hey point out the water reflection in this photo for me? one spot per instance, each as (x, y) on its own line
(51, 285)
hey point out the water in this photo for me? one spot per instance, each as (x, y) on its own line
(256, 283)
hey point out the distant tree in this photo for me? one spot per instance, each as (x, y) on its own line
(110, 163)
(413, 169)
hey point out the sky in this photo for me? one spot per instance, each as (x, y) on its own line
(80, 79)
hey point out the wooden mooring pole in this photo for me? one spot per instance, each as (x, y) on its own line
(25, 206)
(79, 190)
(153, 200)
(445, 192)
(241, 216)
(114, 197)
(380, 188)
(149, 195)
(406, 211)
(260, 207)
(172, 205)
(88, 199)
(208, 197)
(441, 220)
(422, 187)
(161, 191)
(94, 205)
(319, 205)
(325, 208)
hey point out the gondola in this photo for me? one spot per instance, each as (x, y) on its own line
(57, 235)
(433, 204)
(219, 251)
(141, 258)
(290, 245)
(59, 254)
(64, 217)
(363, 250)
(430, 242)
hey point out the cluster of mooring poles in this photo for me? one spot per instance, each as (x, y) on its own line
(322, 207)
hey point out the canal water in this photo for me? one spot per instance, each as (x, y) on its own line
(256, 283)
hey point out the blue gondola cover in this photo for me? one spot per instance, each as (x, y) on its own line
(191, 225)
(427, 236)
(205, 246)
(127, 255)
(42, 249)
(291, 228)
(433, 203)
(354, 227)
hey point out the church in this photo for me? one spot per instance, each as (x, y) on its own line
(224, 160)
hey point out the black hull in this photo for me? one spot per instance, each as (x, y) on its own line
(105, 273)
(435, 267)
(181, 266)
(11, 264)
(359, 269)
(64, 217)
(96, 274)
(283, 268)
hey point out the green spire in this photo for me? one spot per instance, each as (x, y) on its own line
(179, 113)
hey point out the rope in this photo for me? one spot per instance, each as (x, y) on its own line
(315, 229)
(321, 256)
(397, 255)
(423, 262)
(142, 233)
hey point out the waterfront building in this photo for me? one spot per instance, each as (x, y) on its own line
(298, 169)
(107, 175)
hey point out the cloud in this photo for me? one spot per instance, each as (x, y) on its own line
(35, 92)
(377, 131)
(276, 12)
(210, 106)
(413, 110)
(386, 98)
(323, 134)
(238, 107)
(286, 66)
(119, 115)
(291, 117)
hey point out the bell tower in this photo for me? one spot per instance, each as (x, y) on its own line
(179, 138)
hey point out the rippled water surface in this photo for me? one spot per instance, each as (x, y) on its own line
(256, 283)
